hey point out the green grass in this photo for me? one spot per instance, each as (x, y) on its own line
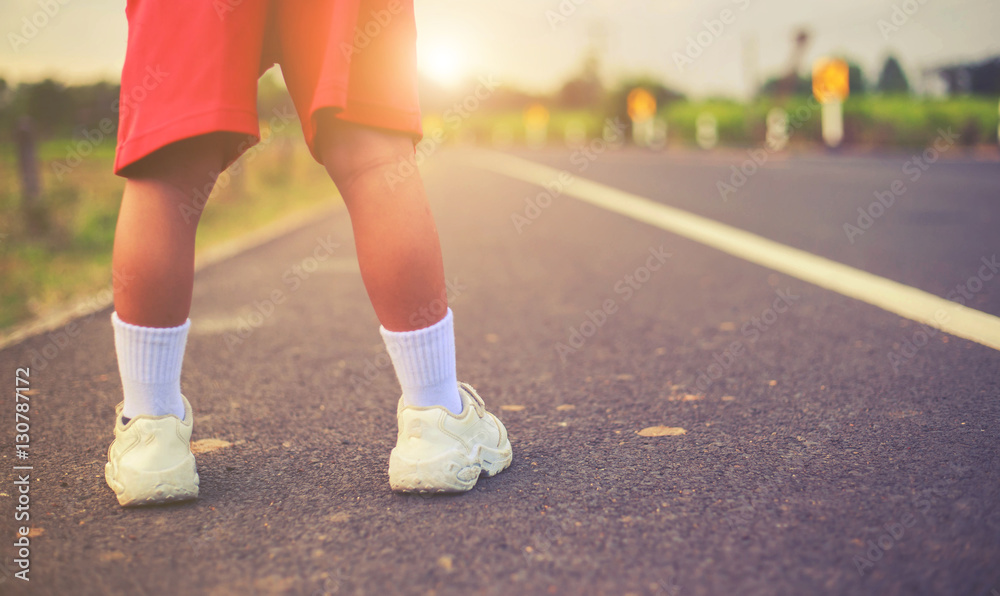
(70, 254)
(869, 120)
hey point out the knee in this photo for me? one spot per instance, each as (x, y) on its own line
(352, 153)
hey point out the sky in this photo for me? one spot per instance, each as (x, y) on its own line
(700, 47)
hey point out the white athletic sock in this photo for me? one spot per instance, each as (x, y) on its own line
(424, 360)
(149, 360)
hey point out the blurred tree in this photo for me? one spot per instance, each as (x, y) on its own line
(856, 78)
(775, 85)
(56, 109)
(92, 103)
(6, 114)
(790, 84)
(585, 89)
(984, 78)
(892, 79)
(508, 98)
(48, 104)
(981, 78)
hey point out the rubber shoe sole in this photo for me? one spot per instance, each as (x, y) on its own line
(440, 452)
(142, 487)
(451, 472)
(150, 460)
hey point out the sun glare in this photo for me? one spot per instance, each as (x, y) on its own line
(442, 63)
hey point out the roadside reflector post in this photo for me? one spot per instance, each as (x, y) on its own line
(830, 78)
(641, 110)
(536, 125)
(658, 134)
(832, 114)
(35, 211)
(706, 131)
(777, 129)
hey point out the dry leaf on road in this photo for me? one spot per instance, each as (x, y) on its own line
(661, 431)
(206, 445)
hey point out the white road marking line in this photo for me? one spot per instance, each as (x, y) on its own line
(886, 294)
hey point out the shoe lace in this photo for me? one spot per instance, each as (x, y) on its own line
(477, 401)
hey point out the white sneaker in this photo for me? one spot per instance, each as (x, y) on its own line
(437, 451)
(150, 460)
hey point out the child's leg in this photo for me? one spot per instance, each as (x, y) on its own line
(400, 258)
(397, 241)
(153, 264)
(153, 260)
(399, 255)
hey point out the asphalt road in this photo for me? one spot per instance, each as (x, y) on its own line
(813, 463)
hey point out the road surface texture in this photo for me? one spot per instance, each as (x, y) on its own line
(812, 443)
